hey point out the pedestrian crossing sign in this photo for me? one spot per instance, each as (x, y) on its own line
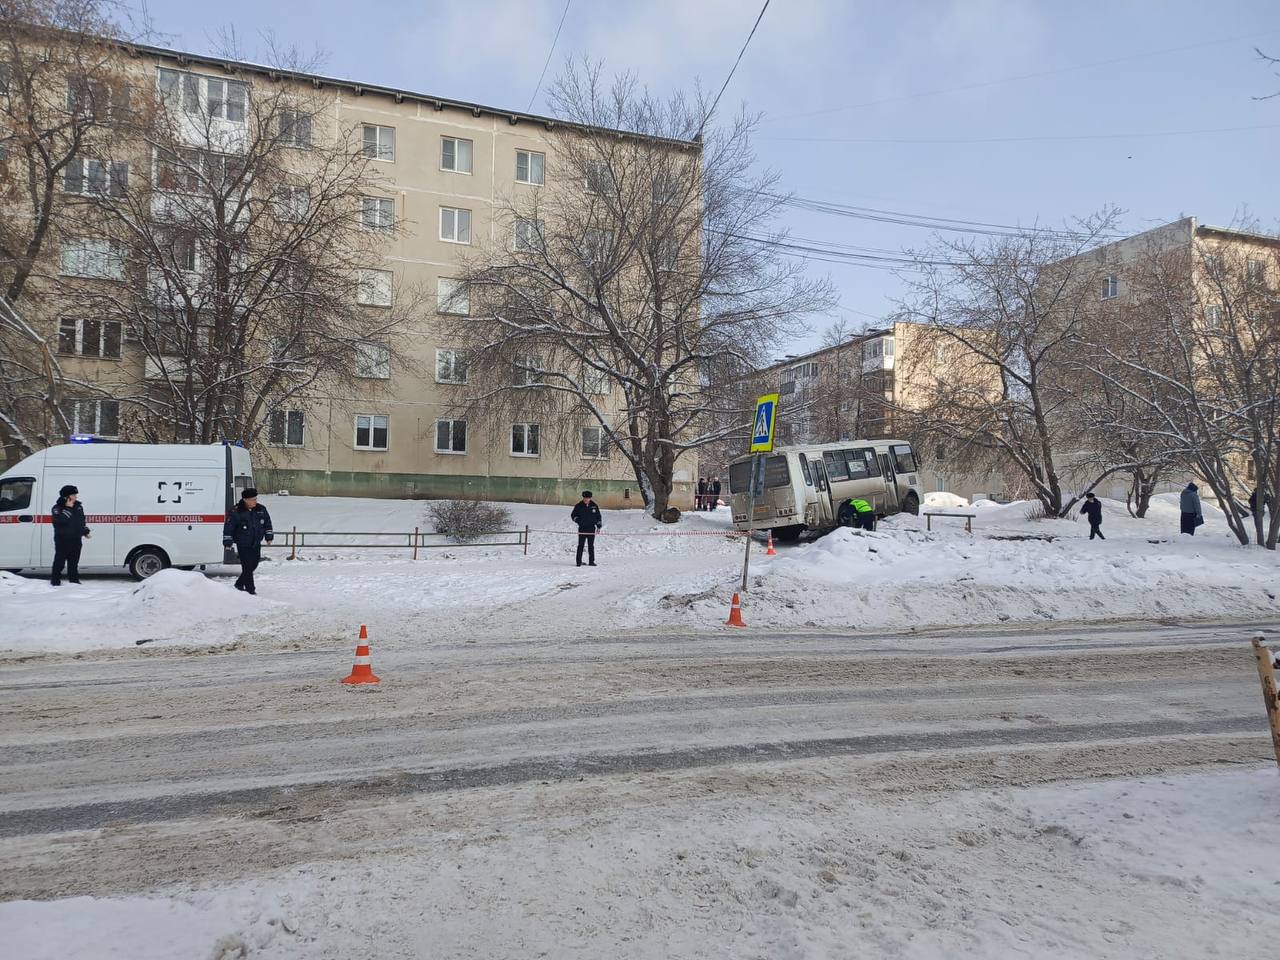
(762, 431)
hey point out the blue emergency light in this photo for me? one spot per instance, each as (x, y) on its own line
(82, 438)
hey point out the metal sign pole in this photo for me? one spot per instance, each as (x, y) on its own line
(761, 441)
(751, 519)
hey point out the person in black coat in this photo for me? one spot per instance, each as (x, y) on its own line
(69, 531)
(586, 514)
(701, 500)
(714, 488)
(247, 526)
(1093, 510)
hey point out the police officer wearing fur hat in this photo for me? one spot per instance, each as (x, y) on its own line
(69, 531)
(247, 526)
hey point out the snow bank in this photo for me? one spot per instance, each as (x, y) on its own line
(940, 499)
(172, 606)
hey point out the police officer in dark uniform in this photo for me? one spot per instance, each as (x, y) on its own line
(69, 531)
(586, 514)
(247, 526)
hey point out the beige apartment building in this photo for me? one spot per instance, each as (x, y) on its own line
(1226, 264)
(444, 170)
(864, 388)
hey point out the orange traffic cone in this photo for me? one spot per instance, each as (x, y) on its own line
(735, 614)
(362, 671)
(771, 552)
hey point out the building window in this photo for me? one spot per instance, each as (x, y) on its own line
(596, 245)
(93, 100)
(525, 441)
(373, 288)
(599, 179)
(531, 167)
(293, 203)
(528, 235)
(527, 371)
(666, 189)
(1213, 264)
(453, 296)
(594, 382)
(1250, 471)
(98, 417)
(1110, 286)
(377, 213)
(198, 95)
(451, 366)
(451, 436)
(371, 432)
(86, 177)
(295, 128)
(89, 338)
(284, 428)
(379, 142)
(595, 443)
(99, 259)
(373, 361)
(668, 254)
(1213, 316)
(1256, 271)
(455, 155)
(455, 225)
(940, 454)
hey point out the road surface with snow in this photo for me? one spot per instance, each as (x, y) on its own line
(755, 794)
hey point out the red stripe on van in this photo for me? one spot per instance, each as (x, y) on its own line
(130, 518)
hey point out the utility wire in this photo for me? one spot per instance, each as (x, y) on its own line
(1048, 137)
(1025, 76)
(732, 71)
(554, 40)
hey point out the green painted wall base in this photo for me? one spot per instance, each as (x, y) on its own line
(615, 494)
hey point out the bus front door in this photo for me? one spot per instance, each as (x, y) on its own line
(891, 504)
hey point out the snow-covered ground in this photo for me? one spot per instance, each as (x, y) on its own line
(652, 575)
(789, 861)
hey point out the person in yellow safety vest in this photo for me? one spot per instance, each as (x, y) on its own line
(858, 513)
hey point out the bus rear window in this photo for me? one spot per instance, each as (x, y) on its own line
(776, 472)
(904, 461)
(740, 477)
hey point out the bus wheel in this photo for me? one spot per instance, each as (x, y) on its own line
(911, 504)
(788, 534)
(146, 562)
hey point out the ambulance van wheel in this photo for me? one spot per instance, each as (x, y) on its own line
(146, 561)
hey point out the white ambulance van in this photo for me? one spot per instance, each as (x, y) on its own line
(148, 505)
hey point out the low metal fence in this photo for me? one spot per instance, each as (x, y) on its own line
(295, 540)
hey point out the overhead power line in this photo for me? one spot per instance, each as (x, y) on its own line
(554, 41)
(1024, 76)
(724, 86)
(1133, 135)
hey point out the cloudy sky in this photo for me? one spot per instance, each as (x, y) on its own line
(1002, 111)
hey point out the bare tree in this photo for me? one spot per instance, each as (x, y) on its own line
(247, 232)
(631, 300)
(993, 375)
(1196, 355)
(61, 90)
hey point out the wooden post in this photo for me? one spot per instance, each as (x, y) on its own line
(1267, 674)
(293, 540)
(415, 543)
(526, 539)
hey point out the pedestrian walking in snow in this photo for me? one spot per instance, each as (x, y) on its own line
(586, 514)
(1192, 514)
(700, 502)
(69, 531)
(247, 526)
(1092, 509)
(715, 493)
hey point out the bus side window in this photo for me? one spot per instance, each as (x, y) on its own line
(873, 464)
(857, 464)
(804, 468)
(904, 461)
(837, 469)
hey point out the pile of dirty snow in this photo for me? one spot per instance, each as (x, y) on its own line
(177, 606)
